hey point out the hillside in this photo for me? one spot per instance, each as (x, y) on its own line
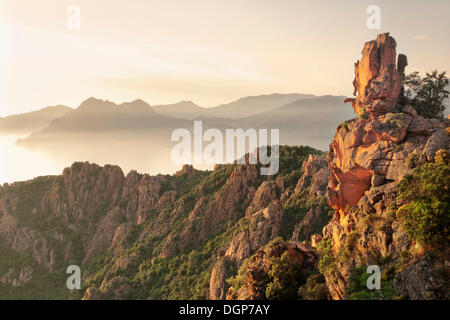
(304, 121)
(158, 237)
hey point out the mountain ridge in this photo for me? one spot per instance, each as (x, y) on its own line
(31, 121)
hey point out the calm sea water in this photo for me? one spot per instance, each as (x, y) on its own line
(17, 163)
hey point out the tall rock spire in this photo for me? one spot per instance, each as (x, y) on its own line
(378, 78)
(367, 151)
(368, 157)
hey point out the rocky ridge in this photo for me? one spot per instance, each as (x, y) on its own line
(121, 228)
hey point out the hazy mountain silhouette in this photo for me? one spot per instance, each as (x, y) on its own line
(96, 116)
(131, 134)
(135, 136)
(306, 121)
(182, 109)
(309, 121)
(240, 108)
(249, 106)
(26, 123)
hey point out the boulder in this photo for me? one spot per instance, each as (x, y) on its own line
(420, 125)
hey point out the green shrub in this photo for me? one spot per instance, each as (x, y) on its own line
(425, 212)
(314, 289)
(326, 261)
(357, 286)
(238, 280)
(363, 114)
(292, 157)
(285, 279)
(412, 160)
(343, 125)
(346, 250)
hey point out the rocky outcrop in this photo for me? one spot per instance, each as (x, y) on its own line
(83, 212)
(368, 157)
(217, 283)
(378, 77)
(420, 282)
(265, 214)
(307, 226)
(315, 175)
(210, 216)
(256, 274)
(23, 277)
(372, 149)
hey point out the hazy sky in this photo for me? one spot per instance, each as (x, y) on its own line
(208, 51)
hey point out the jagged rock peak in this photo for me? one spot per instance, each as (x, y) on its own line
(186, 170)
(378, 77)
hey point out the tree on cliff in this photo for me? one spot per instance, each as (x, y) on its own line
(426, 94)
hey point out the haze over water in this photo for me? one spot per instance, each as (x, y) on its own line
(18, 163)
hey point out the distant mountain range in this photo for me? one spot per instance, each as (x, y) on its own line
(182, 109)
(294, 113)
(241, 108)
(137, 136)
(302, 119)
(249, 106)
(31, 121)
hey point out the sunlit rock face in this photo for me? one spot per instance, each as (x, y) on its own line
(370, 150)
(378, 77)
(368, 157)
(361, 150)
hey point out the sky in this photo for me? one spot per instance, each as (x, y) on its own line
(210, 52)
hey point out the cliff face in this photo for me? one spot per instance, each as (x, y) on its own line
(368, 157)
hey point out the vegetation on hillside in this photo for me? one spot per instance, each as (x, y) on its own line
(184, 274)
(426, 202)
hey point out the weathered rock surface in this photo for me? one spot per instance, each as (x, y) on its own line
(266, 212)
(368, 156)
(378, 78)
(367, 151)
(420, 282)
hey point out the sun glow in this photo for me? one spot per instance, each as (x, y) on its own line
(5, 51)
